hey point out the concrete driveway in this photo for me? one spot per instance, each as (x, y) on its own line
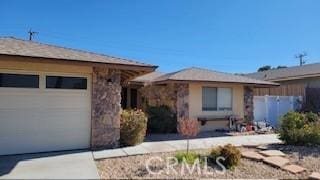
(59, 165)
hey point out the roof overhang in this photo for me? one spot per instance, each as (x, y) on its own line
(215, 82)
(290, 78)
(128, 72)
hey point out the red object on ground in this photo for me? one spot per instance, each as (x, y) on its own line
(249, 127)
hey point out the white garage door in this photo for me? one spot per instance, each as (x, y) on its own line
(44, 112)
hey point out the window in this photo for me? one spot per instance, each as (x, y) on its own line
(19, 80)
(224, 99)
(63, 82)
(209, 99)
(214, 99)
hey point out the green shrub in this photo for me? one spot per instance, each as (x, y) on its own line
(133, 126)
(190, 157)
(161, 120)
(300, 129)
(231, 154)
(312, 133)
(215, 153)
(291, 127)
(312, 117)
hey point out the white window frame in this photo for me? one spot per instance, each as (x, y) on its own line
(219, 108)
(22, 72)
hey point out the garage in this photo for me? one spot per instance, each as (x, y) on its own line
(54, 98)
(44, 111)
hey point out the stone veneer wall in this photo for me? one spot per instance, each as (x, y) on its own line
(157, 95)
(176, 96)
(182, 101)
(106, 107)
(248, 103)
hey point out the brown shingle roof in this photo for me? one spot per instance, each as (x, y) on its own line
(147, 78)
(18, 47)
(205, 75)
(290, 72)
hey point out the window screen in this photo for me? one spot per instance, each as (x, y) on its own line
(214, 99)
(209, 99)
(63, 82)
(19, 80)
(225, 99)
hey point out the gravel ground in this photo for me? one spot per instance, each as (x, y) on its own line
(133, 167)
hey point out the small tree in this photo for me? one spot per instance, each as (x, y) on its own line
(188, 128)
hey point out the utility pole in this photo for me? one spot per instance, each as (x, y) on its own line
(31, 34)
(300, 57)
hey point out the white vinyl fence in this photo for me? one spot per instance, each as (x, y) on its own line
(270, 108)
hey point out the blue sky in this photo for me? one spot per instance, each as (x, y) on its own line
(226, 35)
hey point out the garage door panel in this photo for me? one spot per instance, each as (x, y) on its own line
(75, 140)
(42, 143)
(14, 121)
(40, 120)
(20, 144)
(17, 101)
(65, 120)
(65, 102)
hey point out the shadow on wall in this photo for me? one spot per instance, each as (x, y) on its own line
(8, 163)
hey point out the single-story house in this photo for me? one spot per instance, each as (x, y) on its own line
(293, 80)
(197, 93)
(54, 98)
(303, 81)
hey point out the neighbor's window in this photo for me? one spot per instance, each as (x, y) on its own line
(64, 82)
(214, 99)
(19, 80)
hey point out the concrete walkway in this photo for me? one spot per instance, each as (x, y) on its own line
(178, 145)
(62, 165)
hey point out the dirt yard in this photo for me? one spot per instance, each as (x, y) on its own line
(135, 166)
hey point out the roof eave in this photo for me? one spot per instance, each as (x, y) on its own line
(200, 81)
(147, 68)
(289, 78)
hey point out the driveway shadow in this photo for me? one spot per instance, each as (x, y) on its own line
(176, 136)
(9, 162)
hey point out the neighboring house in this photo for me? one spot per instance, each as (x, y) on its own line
(294, 81)
(54, 98)
(196, 93)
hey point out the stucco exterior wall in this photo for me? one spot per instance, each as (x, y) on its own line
(16, 63)
(195, 105)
